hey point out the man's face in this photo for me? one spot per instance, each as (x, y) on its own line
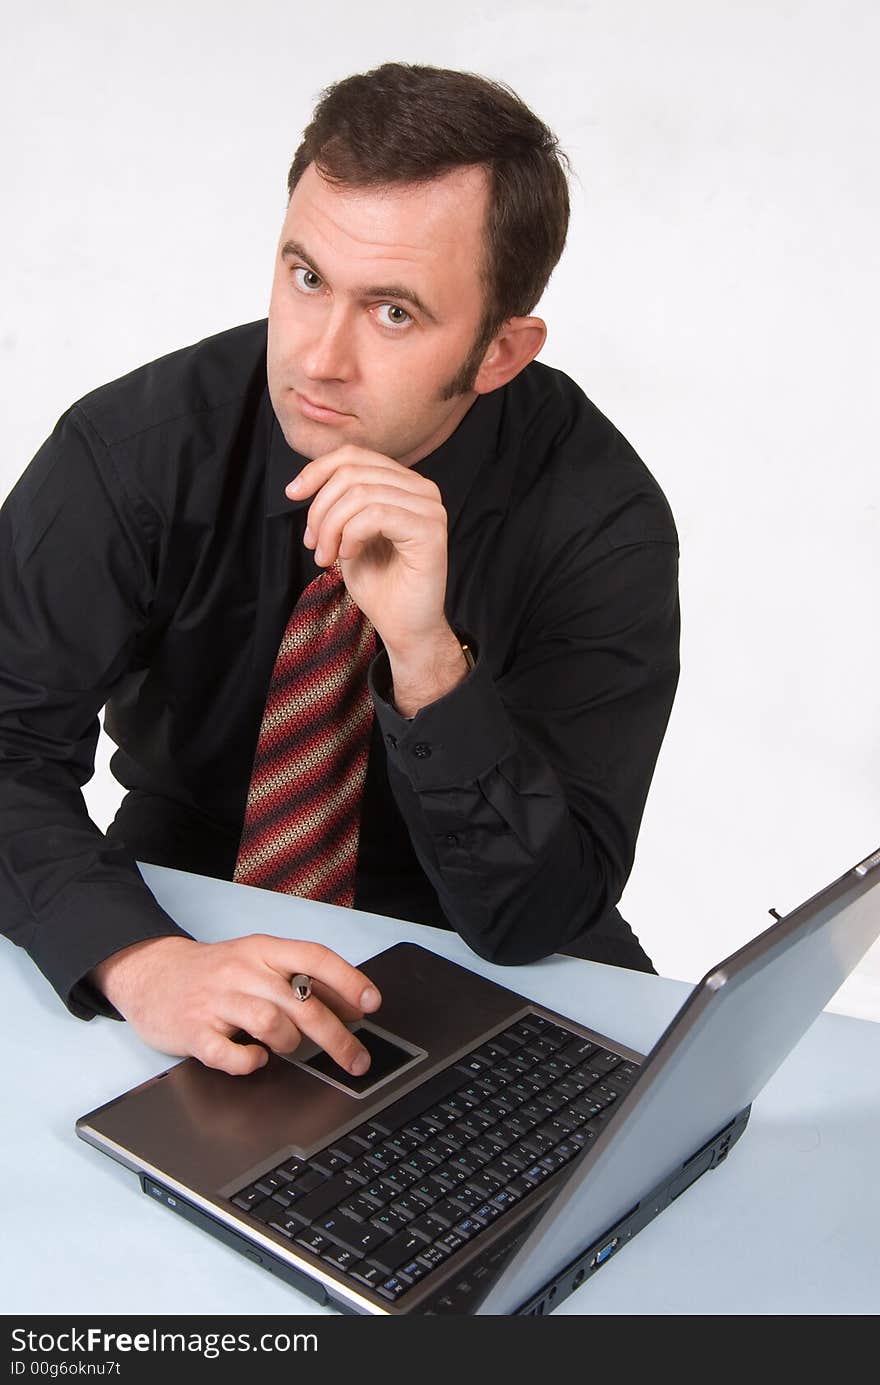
(343, 329)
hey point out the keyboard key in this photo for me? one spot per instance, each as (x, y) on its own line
(468, 1197)
(492, 1051)
(312, 1240)
(306, 1182)
(379, 1159)
(408, 1207)
(456, 1107)
(505, 1168)
(368, 1135)
(450, 1243)
(283, 1199)
(468, 1228)
(348, 1147)
(287, 1225)
(577, 1051)
(536, 1174)
(486, 1083)
(339, 1257)
(355, 1235)
(361, 1171)
(267, 1210)
(248, 1198)
(527, 1027)
(393, 1288)
(291, 1168)
(505, 1199)
(329, 1163)
(375, 1193)
(604, 1093)
(367, 1274)
(463, 1165)
(396, 1252)
(431, 1257)
(417, 1102)
(470, 1094)
(270, 1182)
(505, 1102)
(402, 1144)
(398, 1180)
(472, 1065)
(419, 1130)
(388, 1221)
(603, 1061)
(428, 1192)
(360, 1208)
(436, 1150)
(447, 1212)
(552, 1161)
(413, 1271)
(428, 1227)
(315, 1204)
(486, 1213)
(485, 1183)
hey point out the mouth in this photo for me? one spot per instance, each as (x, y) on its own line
(319, 412)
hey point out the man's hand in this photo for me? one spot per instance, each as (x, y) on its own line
(387, 526)
(188, 998)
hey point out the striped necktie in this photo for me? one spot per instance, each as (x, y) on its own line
(302, 820)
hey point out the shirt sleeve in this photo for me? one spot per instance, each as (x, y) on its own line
(75, 585)
(523, 794)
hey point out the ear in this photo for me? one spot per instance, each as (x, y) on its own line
(518, 342)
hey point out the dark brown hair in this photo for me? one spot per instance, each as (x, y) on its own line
(405, 124)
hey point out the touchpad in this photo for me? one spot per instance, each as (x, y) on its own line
(389, 1056)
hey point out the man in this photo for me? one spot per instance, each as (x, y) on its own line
(385, 450)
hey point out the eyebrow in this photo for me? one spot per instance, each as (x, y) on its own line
(292, 247)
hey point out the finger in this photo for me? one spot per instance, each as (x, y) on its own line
(262, 1017)
(349, 476)
(360, 498)
(316, 473)
(216, 1050)
(405, 529)
(336, 1003)
(326, 1029)
(321, 964)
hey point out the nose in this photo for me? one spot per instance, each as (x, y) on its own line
(328, 355)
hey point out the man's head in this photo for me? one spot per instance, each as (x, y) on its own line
(427, 211)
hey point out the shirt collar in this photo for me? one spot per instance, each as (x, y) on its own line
(452, 466)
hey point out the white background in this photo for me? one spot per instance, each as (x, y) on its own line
(718, 300)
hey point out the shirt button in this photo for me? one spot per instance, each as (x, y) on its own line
(421, 750)
(391, 739)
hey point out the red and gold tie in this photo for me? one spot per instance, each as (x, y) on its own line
(302, 820)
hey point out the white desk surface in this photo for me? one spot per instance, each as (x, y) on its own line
(790, 1224)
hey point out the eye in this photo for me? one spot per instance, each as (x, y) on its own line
(403, 320)
(310, 280)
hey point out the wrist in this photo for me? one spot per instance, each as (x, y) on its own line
(426, 673)
(115, 976)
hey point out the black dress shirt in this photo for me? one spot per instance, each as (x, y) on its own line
(149, 561)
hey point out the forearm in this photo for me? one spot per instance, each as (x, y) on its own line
(517, 875)
(67, 896)
(423, 675)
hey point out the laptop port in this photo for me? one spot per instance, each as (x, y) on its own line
(602, 1255)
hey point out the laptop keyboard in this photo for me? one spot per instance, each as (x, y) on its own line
(393, 1199)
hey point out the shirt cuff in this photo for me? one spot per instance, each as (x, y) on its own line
(67, 949)
(449, 742)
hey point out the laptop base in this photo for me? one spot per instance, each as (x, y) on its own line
(463, 1297)
(616, 1237)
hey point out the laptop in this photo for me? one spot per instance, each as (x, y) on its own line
(497, 1154)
